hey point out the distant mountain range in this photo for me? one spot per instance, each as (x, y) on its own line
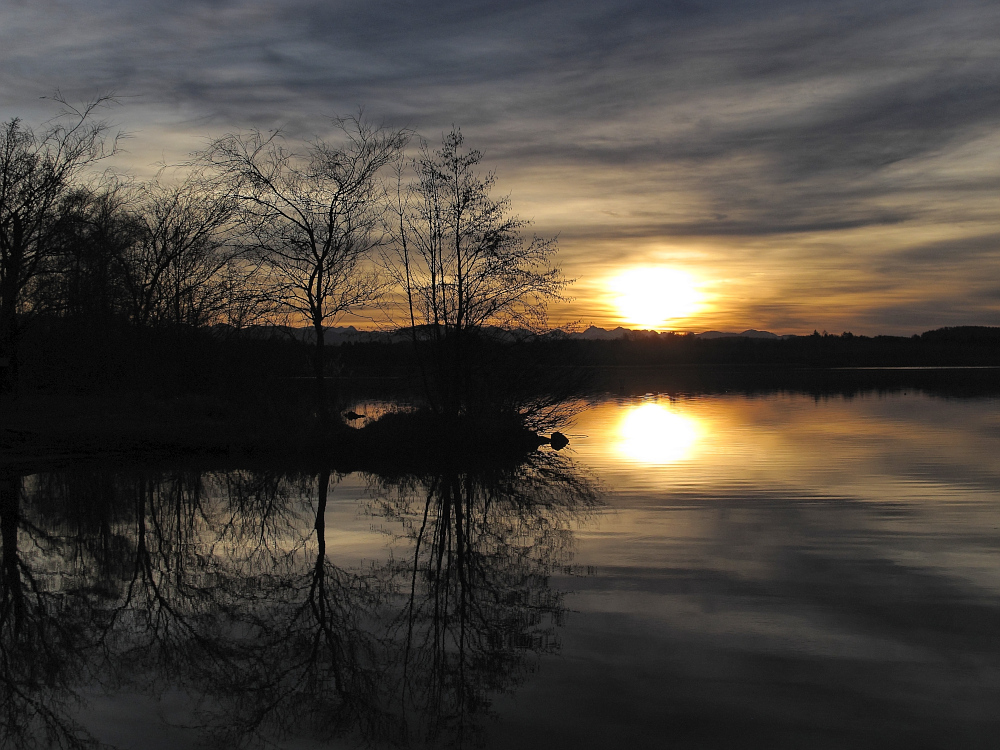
(347, 334)
(596, 333)
(334, 335)
(750, 333)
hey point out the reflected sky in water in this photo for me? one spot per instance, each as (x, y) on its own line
(886, 449)
(779, 571)
(804, 573)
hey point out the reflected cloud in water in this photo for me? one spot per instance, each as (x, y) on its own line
(657, 434)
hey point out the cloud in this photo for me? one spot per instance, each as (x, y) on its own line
(941, 255)
(646, 122)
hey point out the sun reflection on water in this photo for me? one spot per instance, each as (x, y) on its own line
(652, 433)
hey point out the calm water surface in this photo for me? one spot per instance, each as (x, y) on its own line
(787, 572)
(778, 571)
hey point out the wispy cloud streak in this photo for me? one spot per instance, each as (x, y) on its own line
(854, 137)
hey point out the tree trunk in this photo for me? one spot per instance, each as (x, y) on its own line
(8, 340)
(9, 292)
(319, 372)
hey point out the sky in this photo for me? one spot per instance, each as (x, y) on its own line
(808, 165)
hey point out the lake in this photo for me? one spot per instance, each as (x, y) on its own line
(780, 570)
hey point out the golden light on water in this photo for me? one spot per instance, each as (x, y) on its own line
(654, 434)
(650, 296)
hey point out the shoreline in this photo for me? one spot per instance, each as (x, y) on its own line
(399, 441)
(277, 425)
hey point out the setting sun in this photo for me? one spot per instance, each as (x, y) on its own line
(649, 297)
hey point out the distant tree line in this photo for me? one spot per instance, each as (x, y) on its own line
(961, 346)
(643, 361)
(254, 232)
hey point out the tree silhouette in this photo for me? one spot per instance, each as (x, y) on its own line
(37, 171)
(313, 216)
(465, 264)
(175, 269)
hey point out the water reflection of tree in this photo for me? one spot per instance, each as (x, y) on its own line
(304, 650)
(119, 591)
(44, 632)
(164, 617)
(224, 586)
(476, 601)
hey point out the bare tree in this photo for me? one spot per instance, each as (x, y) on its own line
(178, 268)
(95, 230)
(314, 216)
(37, 170)
(466, 265)
(156, 253)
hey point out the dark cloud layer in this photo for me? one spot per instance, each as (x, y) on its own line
(868, 127)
